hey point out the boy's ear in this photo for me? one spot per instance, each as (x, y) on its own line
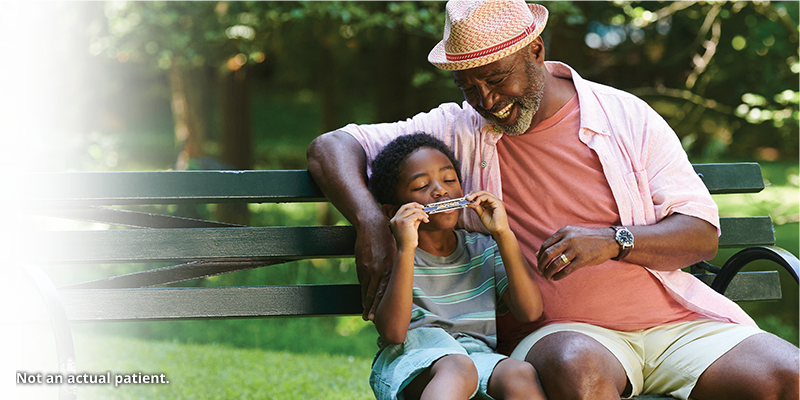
(388, 210)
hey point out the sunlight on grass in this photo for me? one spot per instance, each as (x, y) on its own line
(779, 202)
(219, 372)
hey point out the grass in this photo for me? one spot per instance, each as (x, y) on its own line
(211, 372)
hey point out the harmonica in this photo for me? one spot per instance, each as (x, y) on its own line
(447, 205)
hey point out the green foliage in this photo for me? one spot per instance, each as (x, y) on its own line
(723, 74)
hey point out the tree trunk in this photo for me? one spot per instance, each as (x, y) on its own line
(326, 75)
(393, 79)
(237, 138)
(237, 132)
(188, 117)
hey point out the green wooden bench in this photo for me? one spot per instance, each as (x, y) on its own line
(200, 248)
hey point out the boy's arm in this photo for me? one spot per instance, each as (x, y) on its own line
(522, 296)
(393, 313)
(394, 310)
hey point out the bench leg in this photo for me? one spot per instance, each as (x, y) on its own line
(776, 254)
(61, 329)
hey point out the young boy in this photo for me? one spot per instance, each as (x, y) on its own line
(437, 317)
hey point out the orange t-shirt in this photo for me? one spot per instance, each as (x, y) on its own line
(550, 180)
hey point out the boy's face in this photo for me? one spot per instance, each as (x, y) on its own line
(428, 176)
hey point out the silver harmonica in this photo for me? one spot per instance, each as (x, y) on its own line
(446, 205)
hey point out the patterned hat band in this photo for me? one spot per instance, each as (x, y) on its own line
(485, 52)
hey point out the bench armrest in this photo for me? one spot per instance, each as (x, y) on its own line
(58, 320)
(738, 261)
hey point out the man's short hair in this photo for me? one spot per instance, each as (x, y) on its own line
(387, 165)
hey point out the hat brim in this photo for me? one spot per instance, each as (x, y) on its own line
(438, 57)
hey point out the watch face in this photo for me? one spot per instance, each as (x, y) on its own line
(624, 238)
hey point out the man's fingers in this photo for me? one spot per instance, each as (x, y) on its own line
(368, 299)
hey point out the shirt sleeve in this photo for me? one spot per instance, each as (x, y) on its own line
(674, 185)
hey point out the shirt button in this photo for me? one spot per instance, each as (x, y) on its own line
(483, 164)
(605, 130)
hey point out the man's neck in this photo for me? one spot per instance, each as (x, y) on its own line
(557, 92)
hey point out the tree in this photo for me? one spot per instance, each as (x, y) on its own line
(723, 74)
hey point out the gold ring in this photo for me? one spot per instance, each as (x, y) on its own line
(564, 259)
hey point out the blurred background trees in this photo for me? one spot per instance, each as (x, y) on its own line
(248, 84)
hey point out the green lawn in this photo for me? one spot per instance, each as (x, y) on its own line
(210, 372)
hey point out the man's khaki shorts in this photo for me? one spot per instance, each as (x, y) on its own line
(666, 359)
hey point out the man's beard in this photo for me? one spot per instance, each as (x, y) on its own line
(528, 104)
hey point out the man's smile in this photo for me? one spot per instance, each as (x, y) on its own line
(505, 112)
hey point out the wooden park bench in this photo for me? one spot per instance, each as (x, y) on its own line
(202, 248)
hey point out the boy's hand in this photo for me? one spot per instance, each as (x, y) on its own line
(491, 211)
(405, 224)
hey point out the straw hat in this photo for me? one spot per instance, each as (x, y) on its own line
(479, 32)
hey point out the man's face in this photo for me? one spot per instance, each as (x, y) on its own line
(507, 92)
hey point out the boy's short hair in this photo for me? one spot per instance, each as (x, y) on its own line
(386, 166)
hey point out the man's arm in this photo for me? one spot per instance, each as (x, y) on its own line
(338, 164)
(675, 242)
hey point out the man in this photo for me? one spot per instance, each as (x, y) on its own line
(605, 204)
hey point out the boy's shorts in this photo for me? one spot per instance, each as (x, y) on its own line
(397, 365)
(665, 359)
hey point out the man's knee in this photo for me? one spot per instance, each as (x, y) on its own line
(577, 366)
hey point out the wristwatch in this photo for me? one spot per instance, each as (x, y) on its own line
(624, 238)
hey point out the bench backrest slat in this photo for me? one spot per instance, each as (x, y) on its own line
(746, 231)
(722, 178)
(171, 187)
(242, 302)
(175, 187)
(137, 245)
(270, 243)
(212, 302)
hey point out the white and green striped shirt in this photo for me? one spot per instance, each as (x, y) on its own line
(460, 292)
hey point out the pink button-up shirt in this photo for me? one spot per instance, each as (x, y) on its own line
(649, 173)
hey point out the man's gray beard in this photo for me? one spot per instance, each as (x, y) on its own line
(528, 104)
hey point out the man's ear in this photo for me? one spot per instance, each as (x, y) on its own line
(388, 210)
(536, 50)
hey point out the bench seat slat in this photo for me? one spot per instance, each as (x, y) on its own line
(212, 244)
(215, 302)
(263, 301)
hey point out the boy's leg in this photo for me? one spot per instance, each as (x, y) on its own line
(514, 379)
(451, 377)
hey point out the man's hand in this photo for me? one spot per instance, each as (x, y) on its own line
(375, 251)
(582, 247)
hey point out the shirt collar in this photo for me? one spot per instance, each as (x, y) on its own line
(593, 117)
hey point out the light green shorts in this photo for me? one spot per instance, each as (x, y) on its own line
(665, 359)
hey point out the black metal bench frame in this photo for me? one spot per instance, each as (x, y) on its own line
(203, 248)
